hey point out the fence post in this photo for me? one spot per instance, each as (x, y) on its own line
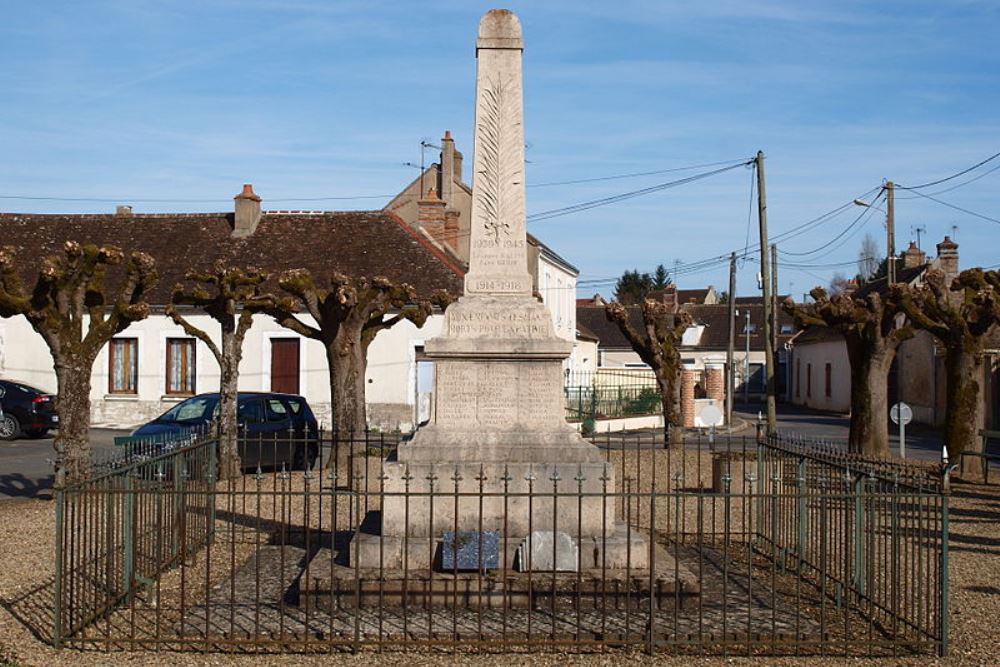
(60, 513)
(128, 537)
(943, 574)
(803, 519)
(859, 542)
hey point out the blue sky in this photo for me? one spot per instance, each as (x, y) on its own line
(133, 100)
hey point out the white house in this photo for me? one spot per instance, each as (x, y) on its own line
(153, 363)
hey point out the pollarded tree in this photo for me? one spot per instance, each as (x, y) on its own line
(657, 343)
(230, 295)
(347, 315)
(873, 329)
(960, 316)
(76, 313)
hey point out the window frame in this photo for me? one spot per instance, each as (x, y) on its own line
(130, 365)
(191, 377)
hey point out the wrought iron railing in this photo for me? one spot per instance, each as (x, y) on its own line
(729, 546)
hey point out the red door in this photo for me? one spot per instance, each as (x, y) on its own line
(285, 365)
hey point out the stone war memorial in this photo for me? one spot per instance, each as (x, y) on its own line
(498, 479)
(496, 525)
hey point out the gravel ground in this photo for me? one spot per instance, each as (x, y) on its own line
(26, 547)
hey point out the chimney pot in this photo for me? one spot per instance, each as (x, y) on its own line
(123, 210)
(247, 212)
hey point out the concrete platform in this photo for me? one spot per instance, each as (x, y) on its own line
(331, 582)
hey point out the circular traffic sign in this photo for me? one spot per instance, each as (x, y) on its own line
(901, 412)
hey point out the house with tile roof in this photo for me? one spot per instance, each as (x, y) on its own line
(154, 364)
(821, 374)
(704, 343)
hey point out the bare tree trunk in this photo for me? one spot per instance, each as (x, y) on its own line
(964, 405)
(670, 398)
(347, 399)
(72, 443)
(869, 432)
(229, 455)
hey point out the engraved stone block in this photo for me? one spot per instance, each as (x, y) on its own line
(547, 551)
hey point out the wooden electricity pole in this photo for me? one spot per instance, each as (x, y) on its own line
(765, 276)
(730, 370)
(890, 229)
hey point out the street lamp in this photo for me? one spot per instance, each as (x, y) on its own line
(890, 233)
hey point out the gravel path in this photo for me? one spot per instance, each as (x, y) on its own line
(26, 547)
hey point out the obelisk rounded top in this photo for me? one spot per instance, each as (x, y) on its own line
(500, 29)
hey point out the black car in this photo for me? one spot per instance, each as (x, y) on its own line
(273, 428)
(26, 410)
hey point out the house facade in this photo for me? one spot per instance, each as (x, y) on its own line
(154, 364)
(704, 344)
(821, 372)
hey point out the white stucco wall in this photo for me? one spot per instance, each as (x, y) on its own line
(391, 376)
(817, 355)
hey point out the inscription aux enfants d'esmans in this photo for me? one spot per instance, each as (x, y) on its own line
(500, 323)
(498, 395)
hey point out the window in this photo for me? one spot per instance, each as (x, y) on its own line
(123, 366)
(180, 365)
(750, 328)
(251, 412)
(809, 380)
(787, 328)
(827, 380)
(276, 411)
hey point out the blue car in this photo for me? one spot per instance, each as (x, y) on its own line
(274, 429)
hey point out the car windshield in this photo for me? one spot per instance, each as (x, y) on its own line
(199, 407)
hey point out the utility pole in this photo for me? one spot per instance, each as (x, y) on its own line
(774, 305)
(730, 370)
(890, 229)
(765, 272)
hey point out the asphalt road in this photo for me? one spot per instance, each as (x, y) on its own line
(26, 468)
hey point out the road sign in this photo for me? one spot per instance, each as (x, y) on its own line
(901, 412)
(711, 416)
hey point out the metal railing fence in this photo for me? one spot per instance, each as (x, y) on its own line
(729, 546)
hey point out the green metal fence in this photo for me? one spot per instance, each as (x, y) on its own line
(752, 546)
(611, 393)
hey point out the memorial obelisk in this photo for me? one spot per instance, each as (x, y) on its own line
(498, 394)
(498, 422)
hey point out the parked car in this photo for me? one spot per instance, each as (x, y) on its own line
(273, 428)
(26, 410)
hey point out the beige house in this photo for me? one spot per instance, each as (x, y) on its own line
(821, 373)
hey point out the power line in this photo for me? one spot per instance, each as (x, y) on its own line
(636, 174)
(958, 208)
(953, 176)
(958, 185)
(604, 201)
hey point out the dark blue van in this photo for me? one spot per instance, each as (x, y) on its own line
(274, 429)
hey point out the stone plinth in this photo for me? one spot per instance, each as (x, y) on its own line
(410, 509)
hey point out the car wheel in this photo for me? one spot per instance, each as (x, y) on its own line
(10, 428)
(37, 432)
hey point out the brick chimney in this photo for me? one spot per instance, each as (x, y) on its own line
(914, 257)
(430, 209)
(450, 235)
(447, 186)
(247, 212)
(947, 257)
